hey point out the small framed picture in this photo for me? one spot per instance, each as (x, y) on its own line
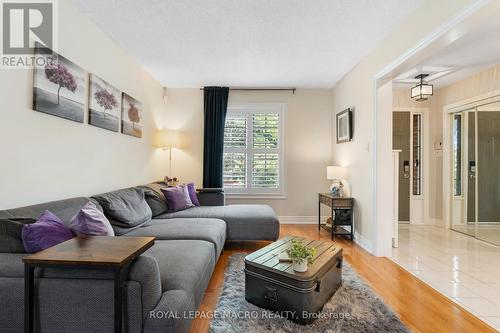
(344, 126)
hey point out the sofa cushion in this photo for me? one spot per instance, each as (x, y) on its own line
(155, 198)
(10, 234)
(126, 208)
(91, 222)
(184, 264)
(192, 194)
(63, 209)
(244, 222)
(46, 232)
(177, 198)
(210, 230)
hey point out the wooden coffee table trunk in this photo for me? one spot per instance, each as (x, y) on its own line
(274, 285)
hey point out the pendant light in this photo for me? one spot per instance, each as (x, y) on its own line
(422, 90)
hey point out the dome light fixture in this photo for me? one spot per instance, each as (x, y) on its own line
(422, 90)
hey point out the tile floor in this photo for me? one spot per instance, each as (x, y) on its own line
(462, 268)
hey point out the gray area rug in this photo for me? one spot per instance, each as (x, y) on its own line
(366, 311)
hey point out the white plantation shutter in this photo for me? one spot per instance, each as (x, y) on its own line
(265, 173)
(235, 133)
(235, 170)
(253, 148)
(265, 130)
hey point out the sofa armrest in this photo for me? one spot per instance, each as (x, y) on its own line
(211, 196)
(11, 264)
(143, 270)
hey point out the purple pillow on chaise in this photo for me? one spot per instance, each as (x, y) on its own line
(90, 221)
(46, 232)
(177, 198)
(192, 194)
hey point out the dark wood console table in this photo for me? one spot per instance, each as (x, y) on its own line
(342, 214)
(100, 252)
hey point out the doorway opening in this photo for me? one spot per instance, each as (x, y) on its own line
(410, 128)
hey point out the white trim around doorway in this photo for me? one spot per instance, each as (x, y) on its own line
(426, 152)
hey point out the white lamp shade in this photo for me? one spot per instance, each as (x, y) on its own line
(336, 172)
(167, 138)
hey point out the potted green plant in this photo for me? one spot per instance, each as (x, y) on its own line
(300, 255)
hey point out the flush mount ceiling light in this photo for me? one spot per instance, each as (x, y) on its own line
(422, 90)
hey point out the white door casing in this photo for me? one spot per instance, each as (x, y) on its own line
(419, 204)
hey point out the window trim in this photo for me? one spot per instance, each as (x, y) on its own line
(262, 193)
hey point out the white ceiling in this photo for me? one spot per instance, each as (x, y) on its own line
(467, 51)
(253, 43)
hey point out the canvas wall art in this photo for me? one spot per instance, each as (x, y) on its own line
(131, 116)
(59, 86)
(104, 104)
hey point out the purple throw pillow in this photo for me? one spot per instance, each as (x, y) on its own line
(192, 194)
(90, 221)
(177, 198)
(46, 232)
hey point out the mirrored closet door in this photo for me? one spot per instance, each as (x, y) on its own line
(475, 174)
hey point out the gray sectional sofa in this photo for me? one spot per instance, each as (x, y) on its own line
(164, 285)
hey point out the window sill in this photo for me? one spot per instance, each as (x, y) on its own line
(255, 196)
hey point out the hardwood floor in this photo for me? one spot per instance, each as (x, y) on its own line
(420, 307)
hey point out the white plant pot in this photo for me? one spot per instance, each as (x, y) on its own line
(300, 267)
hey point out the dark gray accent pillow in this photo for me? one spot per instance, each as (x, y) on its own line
(126, 208)
(155, 198)
(10, 234)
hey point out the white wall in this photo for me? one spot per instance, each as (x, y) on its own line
(385, 169)
(357, 90)
(307, 151)
(48, 158)
(184, 112)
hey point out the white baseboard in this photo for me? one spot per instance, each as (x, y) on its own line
(365, 243)
(435, 221)
(430, 221)
(298, 219)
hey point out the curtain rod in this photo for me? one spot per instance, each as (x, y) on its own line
(262, 89)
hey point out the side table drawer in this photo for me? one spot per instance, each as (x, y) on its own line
(342, 203)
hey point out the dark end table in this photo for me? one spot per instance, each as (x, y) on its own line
(101, 252)
(342, 214)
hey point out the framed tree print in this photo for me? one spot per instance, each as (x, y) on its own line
(131, 116)
(104, 104)
(59, 86)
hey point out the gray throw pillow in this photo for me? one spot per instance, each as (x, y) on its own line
(126, 208)
(10, 234)
(155, 198)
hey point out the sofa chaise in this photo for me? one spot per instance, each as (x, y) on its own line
(164, 286)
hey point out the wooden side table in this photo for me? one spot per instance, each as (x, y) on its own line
(100, 252)
(342, 214)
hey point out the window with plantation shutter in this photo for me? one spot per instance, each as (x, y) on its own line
(253, 150)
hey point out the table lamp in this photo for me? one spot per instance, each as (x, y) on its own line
(337, 174)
